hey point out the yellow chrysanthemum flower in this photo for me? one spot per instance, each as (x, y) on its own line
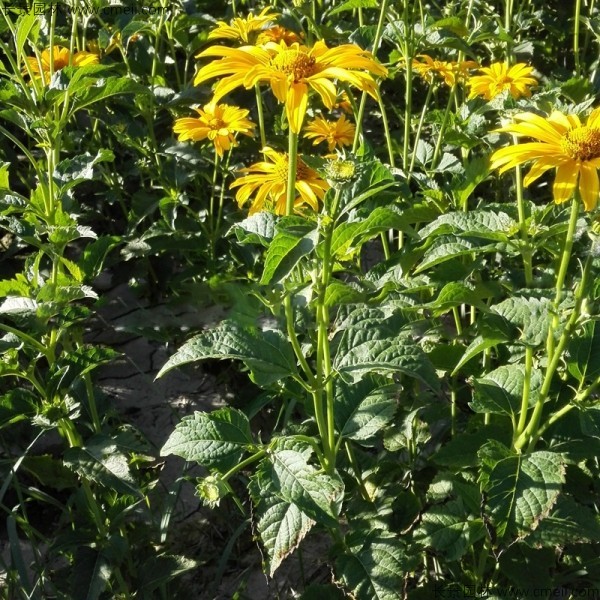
(267, 182)
(338, 133)
(242, 29)
(499, 77)
(61, 57)
(450, 71)
(562, 142)
(278, 34)
(291, 71)
(218, 123)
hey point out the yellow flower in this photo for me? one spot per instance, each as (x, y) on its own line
(451, 72)
(61, 58)
(267, 182)
(499, 77)
(278, 34)
(562, 142)
(218, 123)
(242, 29)
(291, 71)
(336, 133)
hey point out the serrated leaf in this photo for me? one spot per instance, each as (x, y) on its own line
(361, 411)
(316, 494)
(531, 316)
(446, 247)
(374, 570)
(569, 522)
(101, 461)
(217, 439)
(352, 234)
(520, 489)
(500, 391)
(447, 529)
(338, 292)
(280, 523)
(456, 293)
(256, 229)
(482, 224)
(399, 354)
(267, 353)
(91, 573)
(19, 306)
(583, 352)
(105, 88)
(285, 250)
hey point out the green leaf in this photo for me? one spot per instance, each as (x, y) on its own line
(316, 494)
(477, 170)
(447, 529)
(105, 88)
(267, 353)
(91, 573)
(482, 224)
(349, 236)
(500, 391)
(26, 23)
(158, 570)
(256, 229)
(520, 489)
(285, 250)
(217, 439)
(456, 293)
(446, 247)
(399, 354)
(531, 316)
(569, 523)
(375, 569)
(361, 411)
(338, 292)
(71, 171)
(353, 4)
(280, 523)
(101, 461)
(583, 352)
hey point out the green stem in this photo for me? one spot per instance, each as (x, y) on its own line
(408, 58)
(562, 272)
(527, 251)
(443, 126)
(292, 167)
(291, 331)
(242, 465)
(356, 468)
(531, 433)
(526, 393)
(576, 38)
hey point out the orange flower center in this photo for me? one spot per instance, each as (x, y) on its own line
(216, 123)
(282, 166)
(581, 143)
(295, 64)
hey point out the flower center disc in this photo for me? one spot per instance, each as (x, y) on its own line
(282, 166)
(582, 143)
(292, 62)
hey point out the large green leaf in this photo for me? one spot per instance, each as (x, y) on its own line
(448, 529)
(583, 352)
(362, 411)
(217, 439)
(101, 461)
(520, 489)
(352, 234)
(267, 353)
(91, 574)
(296, 481)
(374, 569)
(500, 391)
(256, 229)
(288, 246)
(398, 354)
(447, 247)
(106, 88)
(531, 316)
(482, 224)
(280, 523)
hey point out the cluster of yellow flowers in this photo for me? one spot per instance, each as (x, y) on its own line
(274, 56)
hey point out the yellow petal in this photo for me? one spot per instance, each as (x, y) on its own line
(564, 184)
(588, 186)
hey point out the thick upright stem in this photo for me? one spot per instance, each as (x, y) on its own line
(292, 167)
